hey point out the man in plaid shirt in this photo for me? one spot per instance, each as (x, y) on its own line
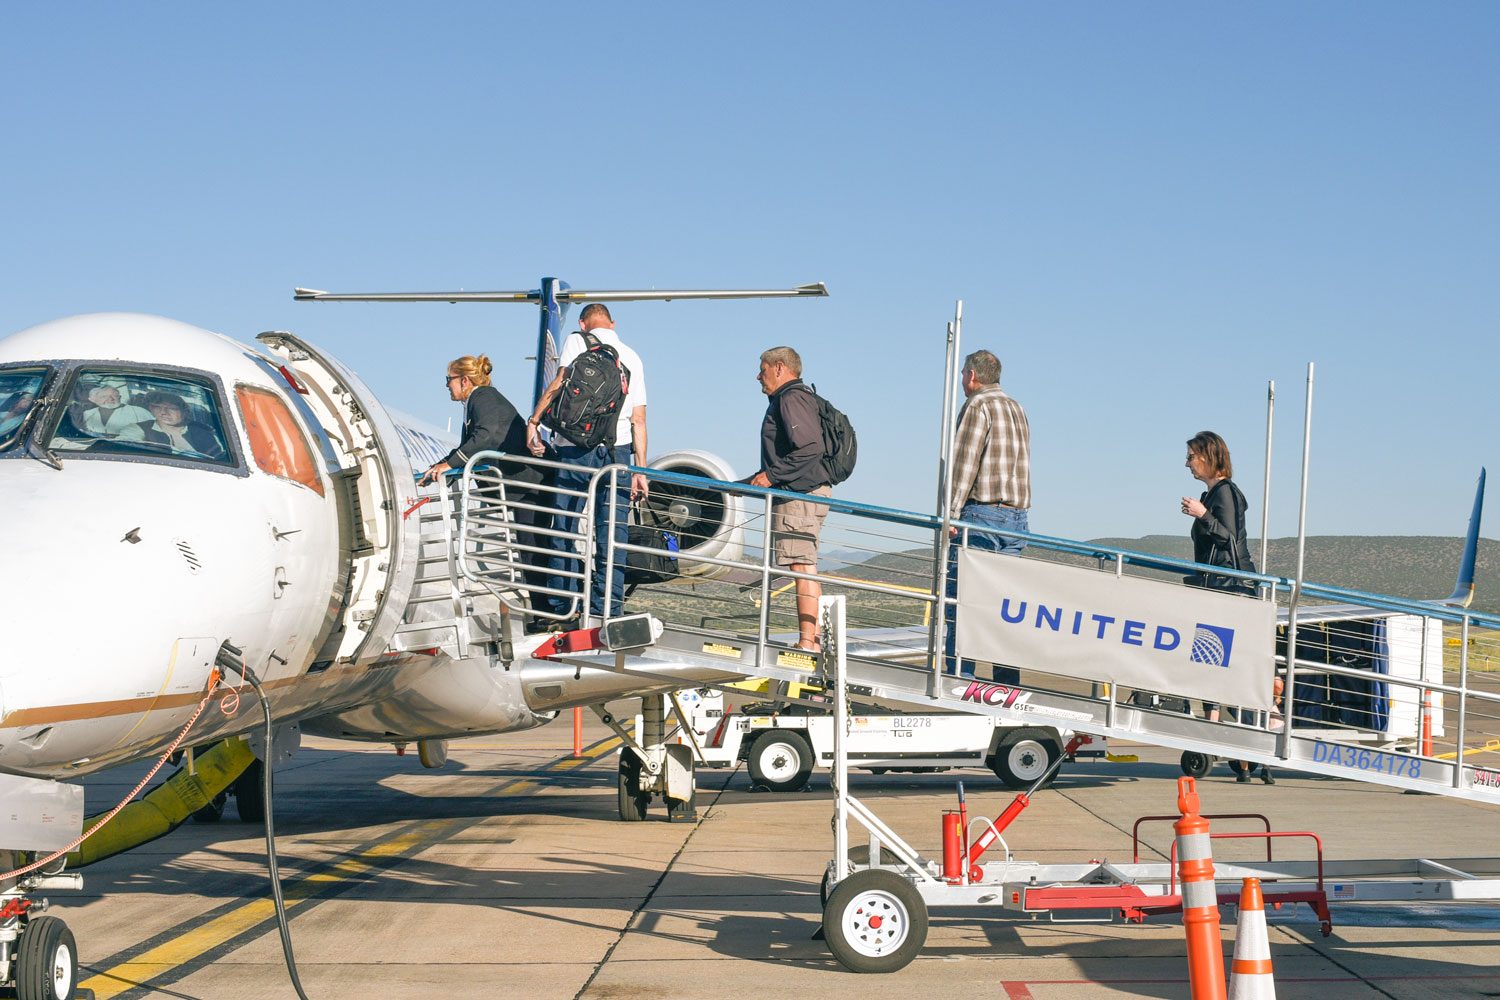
(991, 482)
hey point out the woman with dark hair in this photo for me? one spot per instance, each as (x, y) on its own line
(1218, 535)
(491, 423)
(174, 427)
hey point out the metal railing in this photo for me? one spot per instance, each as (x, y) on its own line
(1367, 672)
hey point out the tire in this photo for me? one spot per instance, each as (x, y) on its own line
(782, 760)
(632, 801)
(214, 811)
(47, 961)
(1024, 755)
(875, 922)
(1195, 764)
(248, 802)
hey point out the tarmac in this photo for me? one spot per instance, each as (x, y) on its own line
(508, 873)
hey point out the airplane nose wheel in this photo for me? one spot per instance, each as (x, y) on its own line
(47, 961)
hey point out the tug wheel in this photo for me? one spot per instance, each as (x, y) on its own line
(1024, 755)
(633, 802)
(781, 760)
(875, 921)
(1195, 764)
(47, 961)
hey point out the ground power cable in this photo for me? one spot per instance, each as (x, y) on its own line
(232, 659)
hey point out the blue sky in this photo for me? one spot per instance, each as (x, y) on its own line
(1150, 210)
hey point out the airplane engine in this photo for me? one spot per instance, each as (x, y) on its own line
(709, 521)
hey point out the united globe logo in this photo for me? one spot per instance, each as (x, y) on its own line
(1212, 644)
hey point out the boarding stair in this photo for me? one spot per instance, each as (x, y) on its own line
(727, 617)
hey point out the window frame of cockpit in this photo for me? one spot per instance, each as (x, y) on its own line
(65, 378)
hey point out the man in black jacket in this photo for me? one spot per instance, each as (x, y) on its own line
(791, 458)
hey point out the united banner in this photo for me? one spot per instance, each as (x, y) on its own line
(1133, 633)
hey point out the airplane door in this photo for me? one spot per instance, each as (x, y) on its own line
(374, 474)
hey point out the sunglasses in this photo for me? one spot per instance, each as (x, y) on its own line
(450, 378)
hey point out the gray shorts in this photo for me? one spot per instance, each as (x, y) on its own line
(795, 524)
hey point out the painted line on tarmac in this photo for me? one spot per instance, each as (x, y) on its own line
(179, 951)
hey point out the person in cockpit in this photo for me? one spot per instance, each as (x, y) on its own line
(14, 409)
(173, 427)
(111, 417)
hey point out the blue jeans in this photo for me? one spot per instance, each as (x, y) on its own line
(995, 516)
(590, 459)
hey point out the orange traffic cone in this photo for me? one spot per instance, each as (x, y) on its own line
(1200, 901)
(1250, 975)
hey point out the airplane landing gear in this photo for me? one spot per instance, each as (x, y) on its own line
(653, 768)
(38, 957)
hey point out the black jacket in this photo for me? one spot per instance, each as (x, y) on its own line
(491, 423)
(1219, 535)
(791, 439)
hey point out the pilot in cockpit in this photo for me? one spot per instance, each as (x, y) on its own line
(111, 417)
(174, 427)
(13, 410)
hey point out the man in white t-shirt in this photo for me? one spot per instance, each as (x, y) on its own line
(627, 447)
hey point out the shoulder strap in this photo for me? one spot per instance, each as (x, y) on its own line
(591, 340)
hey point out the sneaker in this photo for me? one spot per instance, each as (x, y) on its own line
(1265, 775)
(1243, 778)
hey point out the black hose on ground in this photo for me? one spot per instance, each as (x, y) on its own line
(231, 658)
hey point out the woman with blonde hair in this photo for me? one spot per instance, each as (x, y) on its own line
(491, 423)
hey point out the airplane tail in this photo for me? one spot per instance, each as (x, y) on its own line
(1463, 587)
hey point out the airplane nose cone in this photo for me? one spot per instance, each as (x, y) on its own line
(110, 612)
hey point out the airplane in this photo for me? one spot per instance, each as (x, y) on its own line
(210, 510)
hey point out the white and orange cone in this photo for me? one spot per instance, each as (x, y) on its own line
(1250, 976)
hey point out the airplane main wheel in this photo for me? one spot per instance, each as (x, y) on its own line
(781, 760)
(214, 811)
(432, 753)
(875, 921)
(633, 801)
(248, 799)
(1023, 756)
(47, 961)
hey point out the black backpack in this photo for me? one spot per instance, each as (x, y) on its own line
(588, 404)
(840, 445)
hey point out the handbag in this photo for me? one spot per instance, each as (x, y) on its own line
(1218, 581)
(661, 562)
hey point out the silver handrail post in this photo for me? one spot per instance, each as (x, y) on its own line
(1463, 700)
(765, 586)
(937, 643)
(1265, 503)
(610, 551)
(1289, 692)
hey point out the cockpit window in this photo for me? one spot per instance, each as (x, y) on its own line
(19, 389)
(122, 411)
